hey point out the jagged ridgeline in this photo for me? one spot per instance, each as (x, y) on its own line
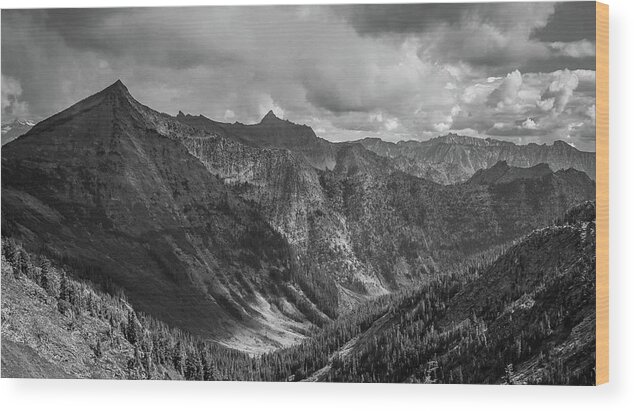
(252, 235)
(522, 314)
(453, 158)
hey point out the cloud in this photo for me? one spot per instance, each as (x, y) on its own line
(497, 37)
(507, 91)
(378, 19)
(576, 49)
(524, 117)
(229, 115)
(559, 92)
(380, 77)
(526, 128)
(591, 113)
(570, 21)
(529, 124)
(12, 106)
(389, 71)
(477, 93)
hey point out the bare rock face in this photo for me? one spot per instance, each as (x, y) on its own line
(14, 129)
(272, 132)
(365, 228)
(527, 317)
(453, 158)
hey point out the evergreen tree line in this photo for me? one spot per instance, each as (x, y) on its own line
(157, 347)
(527, 321)
(417, 335)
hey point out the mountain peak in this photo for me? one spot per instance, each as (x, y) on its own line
(117, 87)
(561, 144)
(270, 117)
(115, 95)
(456, 139)
(19, 122)
(501, 165)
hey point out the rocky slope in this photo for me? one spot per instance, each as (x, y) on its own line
(272, 132)
(54, 326)
(364, 228)
(42, 340)
(526, 318)
(452, 158)
(408, 228)
(524, 314)
(14, 129)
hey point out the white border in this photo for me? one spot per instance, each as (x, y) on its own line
(66, 395)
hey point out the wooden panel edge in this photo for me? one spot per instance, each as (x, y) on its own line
(602, 200)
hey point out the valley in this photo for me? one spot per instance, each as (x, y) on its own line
(521, 315)
(290, 257)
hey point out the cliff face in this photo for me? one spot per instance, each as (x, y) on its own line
(528, 317)
(364, 228)
(272, 132)
(408, 228)
(454, 158)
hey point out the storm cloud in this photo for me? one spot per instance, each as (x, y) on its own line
(390, 71)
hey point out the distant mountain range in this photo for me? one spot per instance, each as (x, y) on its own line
(251, 235)
(452, 158)
(14, 129)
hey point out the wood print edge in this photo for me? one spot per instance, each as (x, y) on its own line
(602, 193)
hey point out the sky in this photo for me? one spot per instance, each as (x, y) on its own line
(522, 72)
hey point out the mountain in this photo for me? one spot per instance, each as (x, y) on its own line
(364, 228)
(271, 132)
(528, 317)
(409, 228)
(523, 314)
(502, 173)
(453, 158)
(14, 129)
(54, 326)
(107, 186)
(237, 233)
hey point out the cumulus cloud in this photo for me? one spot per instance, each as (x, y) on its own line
(526, 117)
(506, 93)
(12, 106)
(529, 124)
(559, 92)
(442, 127)
(497, 37)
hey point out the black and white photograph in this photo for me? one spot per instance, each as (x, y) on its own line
(362, 193)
